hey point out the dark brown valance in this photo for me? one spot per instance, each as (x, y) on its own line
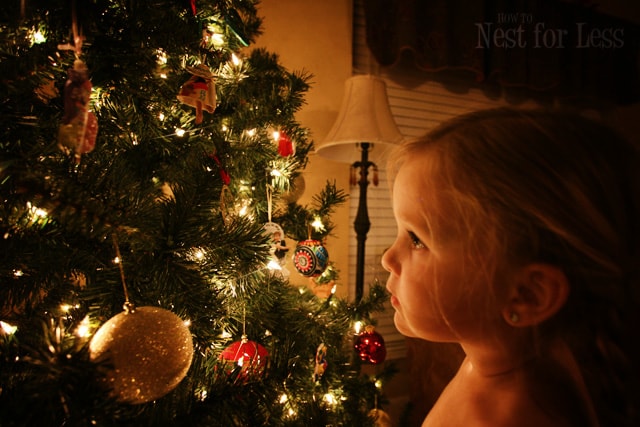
(551, 46)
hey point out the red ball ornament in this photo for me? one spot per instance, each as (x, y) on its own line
(370, 346)
(248, 358)
(310, 258)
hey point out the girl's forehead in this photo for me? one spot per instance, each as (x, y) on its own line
(414, 189)
(418, 170)
(423, 192)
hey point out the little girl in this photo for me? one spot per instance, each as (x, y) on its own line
(518, 238)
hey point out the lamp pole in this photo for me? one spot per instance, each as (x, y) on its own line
(362, 223)
(364, 115)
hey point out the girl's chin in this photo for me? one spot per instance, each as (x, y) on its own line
(400, 324)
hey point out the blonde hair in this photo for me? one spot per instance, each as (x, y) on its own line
(555, 187)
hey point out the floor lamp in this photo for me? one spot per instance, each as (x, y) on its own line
(361, 136)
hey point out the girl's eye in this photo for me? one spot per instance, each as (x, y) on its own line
(415, 242)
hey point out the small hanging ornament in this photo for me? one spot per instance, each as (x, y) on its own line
(199, 91)
(79, 128)
(279, 247)
(382, 419)
(321, 362)
(285, 145)
(310, 258)
(245, 359)
(147, 350)
(370, 346)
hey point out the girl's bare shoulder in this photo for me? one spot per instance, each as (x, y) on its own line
(505, 401)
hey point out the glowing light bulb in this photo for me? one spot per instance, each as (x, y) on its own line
(116, 260)
(8, 328)
(244, 210)
(276, 172)
(37, 37)
(357, 326)
(36, 212)
(274, 265)
(317, 224)
(161, 117)
(162, 56)
(180, 132)
(236, 61)
(283, 398)
(330, 399)
(83, 329)
(276, 135)
(199, 254)
(213, 35)
(18, 273)
(65, 308)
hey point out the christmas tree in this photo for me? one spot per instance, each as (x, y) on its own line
(149, 157)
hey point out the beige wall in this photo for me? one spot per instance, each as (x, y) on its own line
(315, 36)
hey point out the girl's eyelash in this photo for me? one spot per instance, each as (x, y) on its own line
(415, 242)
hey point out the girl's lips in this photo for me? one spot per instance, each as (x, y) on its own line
(394, 301)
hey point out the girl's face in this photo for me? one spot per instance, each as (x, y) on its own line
(436, 291)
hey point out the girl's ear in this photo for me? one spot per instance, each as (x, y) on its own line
(537, 292)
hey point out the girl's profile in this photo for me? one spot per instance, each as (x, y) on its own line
(518, 238)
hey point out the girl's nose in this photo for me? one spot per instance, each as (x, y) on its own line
(388, 260)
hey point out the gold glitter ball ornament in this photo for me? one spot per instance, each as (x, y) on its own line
(147, 351)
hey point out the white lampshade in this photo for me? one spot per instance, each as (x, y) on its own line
(364, 116)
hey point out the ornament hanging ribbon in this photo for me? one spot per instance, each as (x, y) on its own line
(128, 306)
(269, 201)
(225, 193)
(79, 127)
